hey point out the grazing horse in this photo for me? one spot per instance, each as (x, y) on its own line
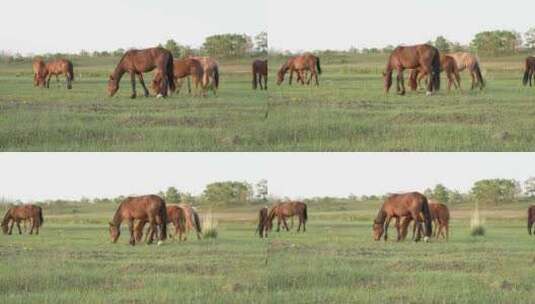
(260, 74)
(60, 67)
(285, 210)
(210, 79)
(530, 69)
(150, 208)
(39, 72)
(440, 215)
(469, 61)
(423, 57)
(300, 64)
(448, 65)
(262, 222)
(531, 218)
(193, 221)
(398, 206)
(175, 215)
(183, 68)
(137, 62)
(32, 213)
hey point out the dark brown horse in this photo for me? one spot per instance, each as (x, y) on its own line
(183, 68)
(285, 210)
(260, 74)
(60, 67)
(150, 208)
(440, 215)
(300, 64)
(262, 222)
(175, 215)
(448, 65)
(531, 218)
(39, 72)
(529, 71)
(399, 206)
(424, 57)
(15, 215)
(137, 62)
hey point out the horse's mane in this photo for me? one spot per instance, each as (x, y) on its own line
(7, 216)
(381, 216)
(117, 218)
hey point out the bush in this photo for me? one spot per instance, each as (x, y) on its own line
(477, 224)
(209, 226)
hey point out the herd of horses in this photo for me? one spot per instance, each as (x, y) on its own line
(139, 211)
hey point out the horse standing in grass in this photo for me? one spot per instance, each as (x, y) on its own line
(60, 67)
(529, 70)
(285, 210)
(262, 222)
(300, 65)
(210, 79)
(183, 68)
(31, 213)
(399, 206)
(531, 218)
(193, 221)
(260, 74)
(137, 62)
(448, 65)
(175, 215)
(39, 72)
(149, 208)
(423, 57)
(469, 61)
(440, 215)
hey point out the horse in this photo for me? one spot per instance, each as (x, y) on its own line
(530, 69)
(470, 61)
(183, 68)
(193, 221)
(16, 214)
(175, 215)
(300, 64)
(531, 218)
(448, 65)
(262, 222)
(60, 67)
(39, 72)
(150, 208)
(285, 210)
(440, 215)
(398, 206)
(424, 57)
(210, 79)
(260, 74)
(137, 62)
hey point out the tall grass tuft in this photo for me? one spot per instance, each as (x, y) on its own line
(209, 226)
(477, 224)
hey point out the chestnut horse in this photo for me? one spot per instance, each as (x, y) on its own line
(137, 62)
(448, 65)
(39, 72)
(469, 61)
(300, 64)
(262, 222)
(175, 215)
(32, 213)
(183, 68)
(440, 215)
(398, 206)
(60, 67)
(531, 218)
(193, 221)
(530, 69)
(285, 210)
(210, 79)
(150, 208)
(424, 57)
(260, 74)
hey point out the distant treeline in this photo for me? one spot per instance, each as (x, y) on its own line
(490, 192)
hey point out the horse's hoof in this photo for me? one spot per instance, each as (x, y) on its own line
(133, 97)
(159, 96)
(429, 93)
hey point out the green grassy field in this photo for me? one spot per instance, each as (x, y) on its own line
(349, 112)
(336, 261)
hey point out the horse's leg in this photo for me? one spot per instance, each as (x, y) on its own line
(278, 223)
(398, 228)
(472, 74)
(131, 230)
(415, 216)
(48, 81)
(133, 82)
(260, 78)
(265, 82)
(285, 223)
(32, 225)
(387, 222)
(317, 78)
(145, 91)
(402, 81)
(18, 226)
(291, 77)
(11, 227)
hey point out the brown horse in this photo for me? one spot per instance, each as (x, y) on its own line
(448, 65)
(440, 215)
(469, 61)
(424, 57)
(262, 222)
(15, 215)
(210, 79)
(183, 68)
(150, 208)
(193, 221)
(175, 215)
(60, 67)
(530, 69)
(300, 64)
(39, 72)
(137, 62)
(260, 74)
(531, 218)
(285, 210)
(398, 206)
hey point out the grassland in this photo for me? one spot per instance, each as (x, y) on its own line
(349, 112)
(336, 261)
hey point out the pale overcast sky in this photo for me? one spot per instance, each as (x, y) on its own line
(30, 26)
(340, 24)
(38, 176)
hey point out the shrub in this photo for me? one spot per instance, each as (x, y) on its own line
(209, 226)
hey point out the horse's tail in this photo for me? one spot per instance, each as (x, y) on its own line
(427, 217)
(526, 76)
(255, 83)
(305, 214)
(70, 70)
(530, 220)
(216, 77)
(436, 67)
(261, 222)
(41, 220)
(163, 217)
(479, 75)
(170, 72)
(318, 65)
(197, 221)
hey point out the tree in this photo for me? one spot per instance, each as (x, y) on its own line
(497, 191)
(529, 187)
(173, 47)
(261, 42)
(227, 45)
(222, 193)
(262, 190)
(388, 49)
(118, 52)
(440, 193)
(455, 197)
(496, 42)
(530, 38)
(442, 44)
(428, 193)
(172, 195)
